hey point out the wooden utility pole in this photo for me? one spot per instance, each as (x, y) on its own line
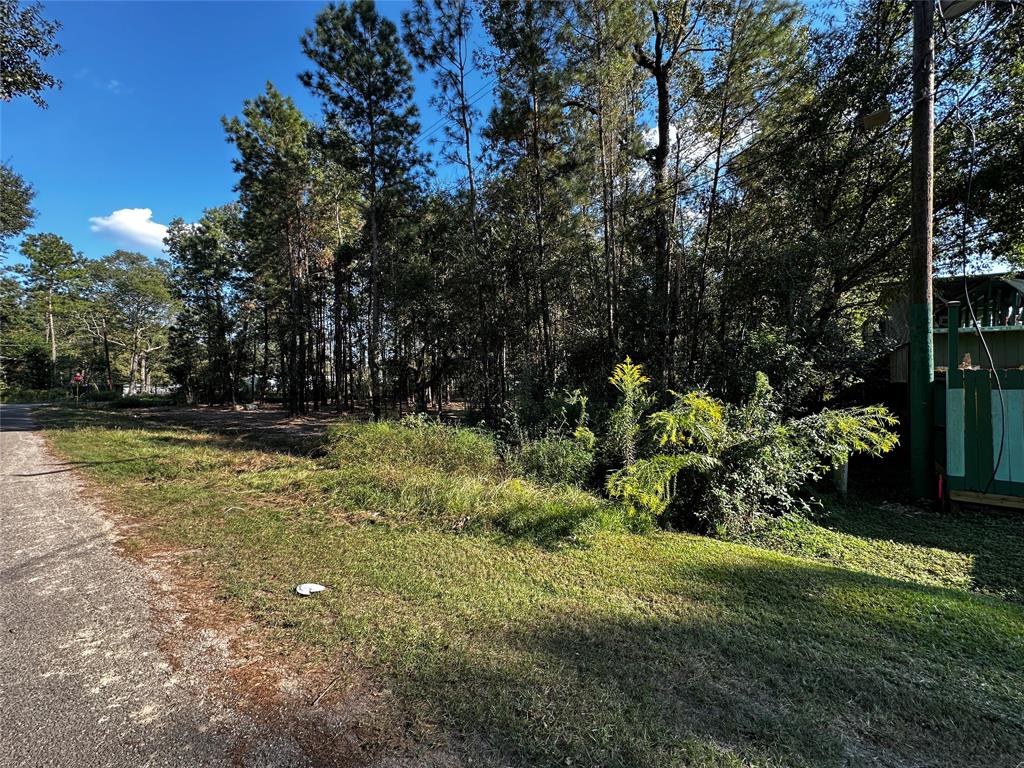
(922, 356)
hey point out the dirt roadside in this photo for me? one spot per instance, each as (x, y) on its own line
(112, 659)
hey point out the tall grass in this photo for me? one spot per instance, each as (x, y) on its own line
(452, 478)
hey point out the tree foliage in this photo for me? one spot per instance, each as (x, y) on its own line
(27, 39)
(686, 182)
(105, 319)
(16, 212)
(365, 82)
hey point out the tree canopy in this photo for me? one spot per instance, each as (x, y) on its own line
(686, 182)
(27, 39)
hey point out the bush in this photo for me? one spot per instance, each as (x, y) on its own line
(558, 451)
(556, 460)
(722, 467)
(560, 414)
(18, 395)
(620, 443)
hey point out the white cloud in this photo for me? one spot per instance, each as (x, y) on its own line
(109, 84)
(131, 228)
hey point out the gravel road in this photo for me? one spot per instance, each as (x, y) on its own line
(83, 681)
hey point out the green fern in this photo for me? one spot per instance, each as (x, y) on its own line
(696, 418)
(647, 486)
(624, 421)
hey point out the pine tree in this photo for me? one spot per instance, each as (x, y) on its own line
(52, 275)
(604, 96)
(675, 34)
(527, 131)
(207, 258)
(16, 212)
(365, 83)
(758, 50)
(276, 182)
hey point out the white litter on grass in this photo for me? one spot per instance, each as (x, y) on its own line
(308, 589)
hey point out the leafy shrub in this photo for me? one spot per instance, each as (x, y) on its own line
(559, 452)
(18, 395)
(840, 357)
(722, 467)
(648, 486)
(620, 443)
(559, 414)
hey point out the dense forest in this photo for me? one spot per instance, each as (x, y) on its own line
(689, 183)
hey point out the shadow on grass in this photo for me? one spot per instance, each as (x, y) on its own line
(758, 664)
(554, 528)
(236, 433)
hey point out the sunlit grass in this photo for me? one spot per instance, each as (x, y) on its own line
(537, 631)
(980, 551)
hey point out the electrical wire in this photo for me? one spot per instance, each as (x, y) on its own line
(444, 122)
(970, 306)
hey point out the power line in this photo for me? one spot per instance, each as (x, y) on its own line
(472, 99)
(442, 118)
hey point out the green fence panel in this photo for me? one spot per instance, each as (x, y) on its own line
(983, 439)
(970, 431)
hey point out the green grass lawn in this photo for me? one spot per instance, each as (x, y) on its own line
(527, 626)
(980, 551)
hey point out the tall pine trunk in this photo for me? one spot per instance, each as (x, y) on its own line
(106, 357)
(52, 333)
(373, 337)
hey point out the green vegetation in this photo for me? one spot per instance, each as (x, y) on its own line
(557, 460)
(449, 478)
(566, 450)
(704, 463)
(19, 395)
(527, 231)
(112, 399)
(978, 551)
(527, 624)
(688, 183)
(28, 40)
(104, 319)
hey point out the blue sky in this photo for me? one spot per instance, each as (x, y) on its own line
(137, 123)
